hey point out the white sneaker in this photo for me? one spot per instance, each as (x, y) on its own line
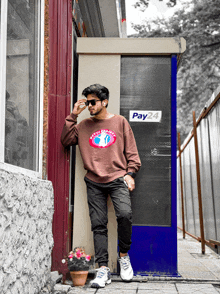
(102, 278)
(126, 270)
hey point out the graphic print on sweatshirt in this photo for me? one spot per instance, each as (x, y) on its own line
(102, 139)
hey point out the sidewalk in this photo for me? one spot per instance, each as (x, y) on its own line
(198, 274)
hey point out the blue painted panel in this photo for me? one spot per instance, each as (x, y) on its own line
(173, 142)
(154, 250)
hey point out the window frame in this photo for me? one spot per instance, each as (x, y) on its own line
(40, 93)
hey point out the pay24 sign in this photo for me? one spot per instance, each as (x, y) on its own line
(145, 116)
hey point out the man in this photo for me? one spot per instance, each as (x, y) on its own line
(110, 156)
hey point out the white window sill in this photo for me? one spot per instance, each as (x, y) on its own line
(19, 170)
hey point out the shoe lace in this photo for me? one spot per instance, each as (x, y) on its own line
(101, 273)
(125, 262)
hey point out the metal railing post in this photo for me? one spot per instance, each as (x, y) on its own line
(198, 184)
(181, 185)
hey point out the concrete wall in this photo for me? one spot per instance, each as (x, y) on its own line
(104, 70)
(26, 241)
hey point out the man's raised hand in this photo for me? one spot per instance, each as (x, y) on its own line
(78, 106)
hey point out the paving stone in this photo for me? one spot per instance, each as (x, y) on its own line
(81, 290)
(163, 288)
(55, 277)
(202, 275)
(196, 289)
(123, 285)
(184, 256)
(161, 291)
(106, 290)
(212, 265)
(217, 287)
(205, 256)
(189, 262)
(157, 286)
(61, 288)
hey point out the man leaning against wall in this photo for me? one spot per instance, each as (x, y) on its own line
(110, 156)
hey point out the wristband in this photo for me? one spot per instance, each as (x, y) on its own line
(133, 175)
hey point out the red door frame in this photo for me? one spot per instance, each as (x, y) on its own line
(60, 61)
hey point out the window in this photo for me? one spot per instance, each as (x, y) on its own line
(21, 83)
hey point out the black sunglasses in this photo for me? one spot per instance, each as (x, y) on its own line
(93, 102)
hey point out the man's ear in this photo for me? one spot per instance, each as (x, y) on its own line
(105, 102)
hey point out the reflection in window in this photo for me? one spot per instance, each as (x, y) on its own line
(16, 134)
(22, 83)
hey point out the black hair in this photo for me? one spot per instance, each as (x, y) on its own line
(100, 91)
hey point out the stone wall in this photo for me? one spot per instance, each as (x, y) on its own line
(26, 240)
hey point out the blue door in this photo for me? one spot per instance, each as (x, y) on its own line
(148, 101)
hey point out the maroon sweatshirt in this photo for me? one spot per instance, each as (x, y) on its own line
(107, 146)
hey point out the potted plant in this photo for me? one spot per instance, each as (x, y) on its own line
(79, 264)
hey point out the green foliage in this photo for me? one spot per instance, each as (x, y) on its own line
(199, 73)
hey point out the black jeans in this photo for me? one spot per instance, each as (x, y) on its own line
(97, 200)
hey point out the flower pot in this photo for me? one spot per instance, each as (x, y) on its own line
(79, 277)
